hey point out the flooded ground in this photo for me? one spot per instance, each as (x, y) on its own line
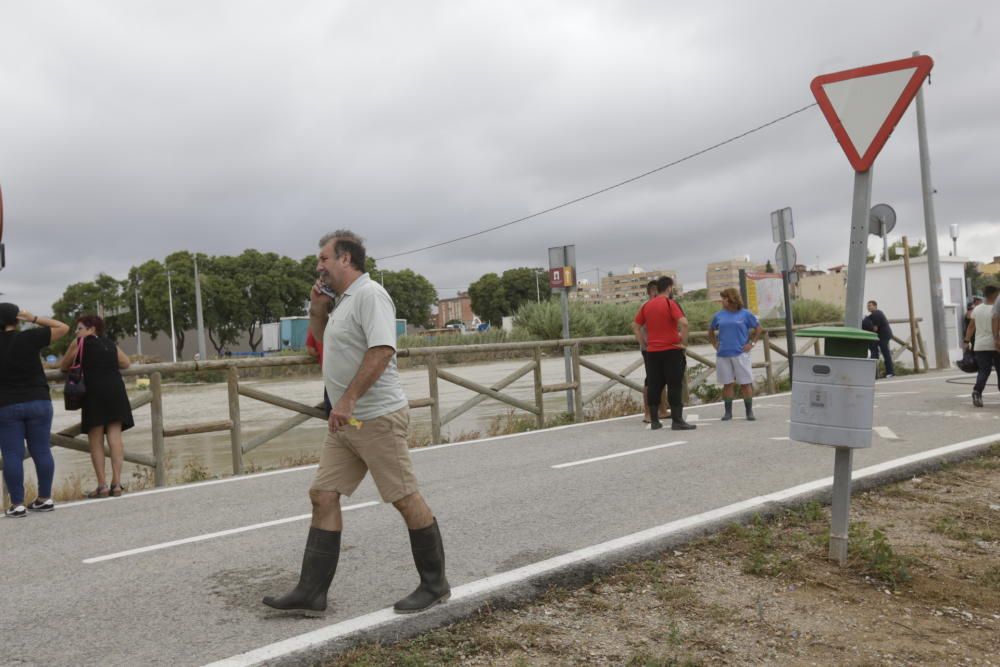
(192, 404)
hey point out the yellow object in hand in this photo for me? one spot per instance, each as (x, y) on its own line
(355, 422)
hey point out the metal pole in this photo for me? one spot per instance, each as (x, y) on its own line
(567, 353)
(138, 330)
(930, 230)
(954, 247)
(789, 335)
(538, 292)
(170, 299)
(841, 505)
(885, 241)
(859, 248)
(201, 321)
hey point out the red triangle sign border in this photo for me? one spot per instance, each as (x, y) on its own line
(920, 64)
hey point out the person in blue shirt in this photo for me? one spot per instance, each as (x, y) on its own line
(738, 330)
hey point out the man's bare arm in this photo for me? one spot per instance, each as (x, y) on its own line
(640, 333)
(373, 364)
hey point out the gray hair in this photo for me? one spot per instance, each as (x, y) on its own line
(349, 242)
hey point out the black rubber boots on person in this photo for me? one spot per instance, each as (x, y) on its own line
(428, 556)
(677, 417)
(319, 563)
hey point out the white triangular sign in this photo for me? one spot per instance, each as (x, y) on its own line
(863, 105)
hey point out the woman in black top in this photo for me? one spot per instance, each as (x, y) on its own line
(25, 406)
(106, 410)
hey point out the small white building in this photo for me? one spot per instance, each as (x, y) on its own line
(885, 283)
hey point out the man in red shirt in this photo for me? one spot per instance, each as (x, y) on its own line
(661, 326)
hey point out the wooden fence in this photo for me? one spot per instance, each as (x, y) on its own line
(431, 357)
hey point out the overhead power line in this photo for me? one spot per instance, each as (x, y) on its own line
(603, 190)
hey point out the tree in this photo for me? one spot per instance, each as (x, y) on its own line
(413, 295)
(105, 296)
(524, 285)
(896, 250)
(273, 287)
(223, 302)
(489, 298)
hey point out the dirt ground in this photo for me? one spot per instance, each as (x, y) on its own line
(922, 588)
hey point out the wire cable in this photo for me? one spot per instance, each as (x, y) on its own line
(603, 190)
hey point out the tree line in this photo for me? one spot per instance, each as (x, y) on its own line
(239, 294)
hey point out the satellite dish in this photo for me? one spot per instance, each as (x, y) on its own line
(881, 214)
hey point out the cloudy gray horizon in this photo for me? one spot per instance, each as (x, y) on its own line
(134, 130)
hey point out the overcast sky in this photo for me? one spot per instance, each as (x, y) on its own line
(130, 130)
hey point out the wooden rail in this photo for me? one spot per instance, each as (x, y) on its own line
(699, 373)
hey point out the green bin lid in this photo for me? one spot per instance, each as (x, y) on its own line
(841, 333)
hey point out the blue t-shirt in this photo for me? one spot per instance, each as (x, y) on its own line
(734, 330)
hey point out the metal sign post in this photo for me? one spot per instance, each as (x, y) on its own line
(562, 276)
(3, 254)
(863, 106)
(783, 229)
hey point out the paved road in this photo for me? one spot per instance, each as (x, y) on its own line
(72, 595)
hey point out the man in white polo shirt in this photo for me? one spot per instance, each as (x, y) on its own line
(367, 429)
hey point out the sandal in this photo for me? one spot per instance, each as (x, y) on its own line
(101, 491)
(117, 490)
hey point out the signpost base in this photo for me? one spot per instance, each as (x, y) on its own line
(841, 505)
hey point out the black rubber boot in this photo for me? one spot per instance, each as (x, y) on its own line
(677, 416)
(728, 403)
(748, 404)
(428, 556)
(319, 563)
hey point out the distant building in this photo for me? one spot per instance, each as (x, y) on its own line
(457, 308)
(721, 275)
(991, 269)
(829, 288)
(586, 292)
(631, 287)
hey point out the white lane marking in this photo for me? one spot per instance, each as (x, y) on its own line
(885, 433)
(614, 456)
(384, 617)
(781, 437)
(212, 536)
(895, 393)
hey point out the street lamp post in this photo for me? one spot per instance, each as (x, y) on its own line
(953, 228)
(173, 334)
(202, 354)
(138, 329)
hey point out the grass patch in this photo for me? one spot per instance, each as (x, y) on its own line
(871, 552)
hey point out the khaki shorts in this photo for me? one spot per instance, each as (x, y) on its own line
(379, 446)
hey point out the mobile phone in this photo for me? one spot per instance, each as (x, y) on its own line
(325, 289)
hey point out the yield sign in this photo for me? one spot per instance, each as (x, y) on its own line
(864, 104)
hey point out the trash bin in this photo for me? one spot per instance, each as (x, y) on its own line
(833, 396)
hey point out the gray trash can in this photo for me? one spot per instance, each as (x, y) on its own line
(833, 396)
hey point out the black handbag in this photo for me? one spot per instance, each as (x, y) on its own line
(968, 362)
(76, 389)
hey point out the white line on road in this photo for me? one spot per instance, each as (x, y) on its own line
(614, 456)
(212, 536)
(885, 433)
(895, 393)
(781, 437)
(384, 617)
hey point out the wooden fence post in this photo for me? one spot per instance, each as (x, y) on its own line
(156, 426)
(909, 305)
(235, 433)
(769, 367)
(432, 382)
(578, 391)
(539, 396)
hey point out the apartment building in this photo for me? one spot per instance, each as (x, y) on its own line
(720, 275)
(455, 308)
(631, 287)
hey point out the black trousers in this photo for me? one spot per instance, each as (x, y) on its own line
(986, 361)
(666, 369)
(883, 346)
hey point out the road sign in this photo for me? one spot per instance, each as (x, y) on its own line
(779, 256)
(864, 104)
(882, 220)
(782, 219)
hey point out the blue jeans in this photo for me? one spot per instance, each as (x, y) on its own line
(31, 421)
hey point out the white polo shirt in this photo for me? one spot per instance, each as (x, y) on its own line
(363, 317)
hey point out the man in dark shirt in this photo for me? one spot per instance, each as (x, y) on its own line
(880, 324)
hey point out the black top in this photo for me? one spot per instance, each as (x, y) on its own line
(22, 377)
(881, 324)
(106, 401)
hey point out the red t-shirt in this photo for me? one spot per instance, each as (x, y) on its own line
(311, 342)
(660, 315)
